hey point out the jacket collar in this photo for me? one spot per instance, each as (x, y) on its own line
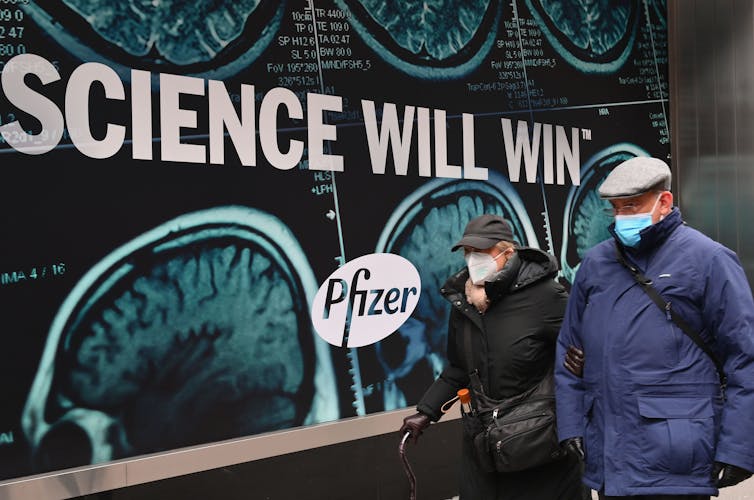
(654, 235)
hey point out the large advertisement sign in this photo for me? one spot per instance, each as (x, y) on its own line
(226, 218)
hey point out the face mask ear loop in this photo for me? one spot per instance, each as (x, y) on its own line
(656, 202)
(499, 255)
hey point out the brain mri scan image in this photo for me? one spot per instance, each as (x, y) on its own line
(593, 36)
(422, 229)
(196, 331)
(658, 10)
(211, 38)
(434, 40)
(587, 216)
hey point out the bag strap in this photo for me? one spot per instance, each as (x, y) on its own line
(474, 380)
(646, 285)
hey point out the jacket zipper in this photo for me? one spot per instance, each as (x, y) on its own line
(529, 400)
(526, 416)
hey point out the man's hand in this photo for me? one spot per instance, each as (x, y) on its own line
(574, 361)
(727, 475)
(415, 424)
(575, 447)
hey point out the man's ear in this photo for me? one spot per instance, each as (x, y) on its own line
(666, 202)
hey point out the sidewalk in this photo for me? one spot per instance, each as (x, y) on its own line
(741, 491)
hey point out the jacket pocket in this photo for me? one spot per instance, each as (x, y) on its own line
(678, 434)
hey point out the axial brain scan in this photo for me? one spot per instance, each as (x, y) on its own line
(432, 39)
(223, 37)
(593, 36)
(200, 321)
(422, 229)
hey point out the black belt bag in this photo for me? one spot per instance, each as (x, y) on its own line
(515, 433)
(518, 432)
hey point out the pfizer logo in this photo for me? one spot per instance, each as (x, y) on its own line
(366, 299)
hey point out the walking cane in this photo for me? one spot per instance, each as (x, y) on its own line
(407, 467)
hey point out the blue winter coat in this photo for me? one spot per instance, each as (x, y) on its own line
(649, 405)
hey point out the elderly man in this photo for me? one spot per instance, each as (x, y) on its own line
(663, 316)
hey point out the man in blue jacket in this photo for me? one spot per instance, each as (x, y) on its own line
(649, 410)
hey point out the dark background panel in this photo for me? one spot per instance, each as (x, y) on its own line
(65, 212)
(365, 469)
(713, 85)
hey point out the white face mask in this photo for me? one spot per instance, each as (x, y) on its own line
(481, 265)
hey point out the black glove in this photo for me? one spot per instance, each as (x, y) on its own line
(731, 474)
(575, 447)
(574, 360)
(415, 424)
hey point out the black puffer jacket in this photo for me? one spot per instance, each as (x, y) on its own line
(513, 341)
(514, 346)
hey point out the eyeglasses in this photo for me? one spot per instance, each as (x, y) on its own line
(627, 209)
(632, 208)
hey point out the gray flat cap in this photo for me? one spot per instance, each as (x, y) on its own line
(636, 176)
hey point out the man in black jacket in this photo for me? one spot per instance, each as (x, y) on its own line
(509, 303)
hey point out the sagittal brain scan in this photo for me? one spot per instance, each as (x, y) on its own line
(592, 36)
(659, 11)
(210, 37)
(437, 39)
(422, 229)
(587, 216)
(201, 321)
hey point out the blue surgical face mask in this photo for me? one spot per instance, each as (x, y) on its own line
(628, 227)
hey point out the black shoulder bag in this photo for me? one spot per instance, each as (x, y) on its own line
(646, 285)
(514, 433)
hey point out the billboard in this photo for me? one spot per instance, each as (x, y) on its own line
(223, 219)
